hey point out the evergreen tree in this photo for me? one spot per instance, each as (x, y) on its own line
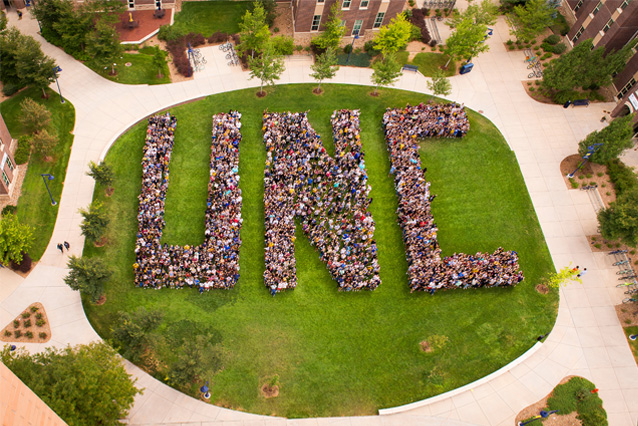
(95, 221)
(102, 174)
(34, 116)
(616, 138)
(88, 275)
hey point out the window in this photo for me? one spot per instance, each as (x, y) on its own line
(320, 1)
(356, 29)
(346, 4)
(10, 164)
(364, 4)
(342, 23)
(378, 20)
(626, 89)
(316, 20)
(578, 6)
(608, 25)
(578, 34)
(624, 4)
(5, 179)
(597, 8)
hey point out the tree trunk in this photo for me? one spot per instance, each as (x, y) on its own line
(319, 87)
(447, 63)
(376, 88)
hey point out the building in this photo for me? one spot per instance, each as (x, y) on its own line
(8, 173)
(358, 15)
(612, 24)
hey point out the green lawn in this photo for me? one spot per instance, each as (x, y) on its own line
(335, 353)
(633, 344)
(34, 205)
(431, 62)
(206, 17)
(141, 70)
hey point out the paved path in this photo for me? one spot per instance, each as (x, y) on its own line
(587, 339)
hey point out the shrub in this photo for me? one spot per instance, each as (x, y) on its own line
(594, 95)
(433, 43)
(38, 315)
(547, 47)
(574, 183)
(17, 334)
(560, 48)
(27, 323)
(283, 45)
(347, 48)
(42, 335)
(169, 33)
(589, 175)
(25, 315)
(531, 89)
(298, 48)
(509, 42)
(512, 47)
(9, 209)
(23, 151)
(24, 266)
(598, 245)
(565, 95)
(7, 333)
(552, 39)
(275, 30)
(34, 309)
(369, 48)
(40, 322)
(622, 177)
(29, 334)
(218, 37)
(411, 3)
(10, 89)
(16, 323)
(546, 55)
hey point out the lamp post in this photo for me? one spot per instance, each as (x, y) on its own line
(356, 37)
(590, 151)
(205, 391)
(56, 70)
(49, 177)
(633, 336)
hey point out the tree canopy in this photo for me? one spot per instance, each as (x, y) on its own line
(325, 67)
(95, 221)
(267, 67)
(134, 331)
(484, 13)
(101, 173)
(440, 84)
(84, 385)
(620, 220)
(15, 238)
(532, 18)
(394, 36)
(254, 33)
(386, 71)
(616, 138)
(87, 275)
(333, 30)
(34, 116)
(467, 41)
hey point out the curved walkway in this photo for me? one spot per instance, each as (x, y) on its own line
(587, 339)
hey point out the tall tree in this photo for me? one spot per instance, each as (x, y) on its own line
(466, 42)
(95, 221)
(620, 220)
(84, 385)
(133, 331)
(394, 36)
(159, 61)
(102, 174)
(254, 32)
(270, 9)
(333, 30)
(88, 275)
(35, 116)
(43, 142)
(440, 84)
(198, 358)
(325, 67)
(103, 46)
(267, 67)
(531, 19)
(49, 13)
(615, 138)
(15, 239)
(386, 72)
(484, 13)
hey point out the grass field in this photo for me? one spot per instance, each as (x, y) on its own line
(34, 205)
(335, 353)
(206, 17)
(141, 70)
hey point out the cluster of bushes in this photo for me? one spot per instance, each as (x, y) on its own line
(560, 25)
(283, 45)
(418, 20)
(521, 44)
(622, 177)
(552, 45)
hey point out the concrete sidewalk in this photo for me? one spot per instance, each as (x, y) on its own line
(587, 339)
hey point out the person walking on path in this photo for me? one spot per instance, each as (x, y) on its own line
(61, 248)
(67, 246)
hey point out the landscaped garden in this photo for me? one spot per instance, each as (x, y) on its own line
(329, 353)
(139, 68)
(34, 206)
(206, 17)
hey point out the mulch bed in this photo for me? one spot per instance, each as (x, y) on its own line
(33, 328)
(554, 419)
(588, 175)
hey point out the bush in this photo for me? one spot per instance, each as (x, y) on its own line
(17, 334)
(218, 37)
(560, 25)
(547, 47)
(9, 209)
(510, 42)
(275, 30)
(27, 323)
(283, 45)
(40, 322)
(7, 333)
(24, 266)
(195, 39)
(38, 315)
(566, 95)
(29, 334)
(10, 89)
(596, 96)
(25, 314)
(23, 151)
(42, 335)
(560, 48)
(531, 89)
(433, 43)
(622, 177)
(552, 39)
(369, 48)
(298, 48)
(35, 309)
(169, 33)
(574, 183)
(16, 323)
(347, 48)
(546, 55)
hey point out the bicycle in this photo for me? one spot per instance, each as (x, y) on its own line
(630, 300)
(626, 272)
(628, 277)
(622, 262)
(617, 252)
(632, 291)
(628, 284)
(532, 64)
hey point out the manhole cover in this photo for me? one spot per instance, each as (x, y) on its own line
(128, 64)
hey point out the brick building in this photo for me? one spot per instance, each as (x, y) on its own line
(358, 15)
(612, 24)
(8, 146)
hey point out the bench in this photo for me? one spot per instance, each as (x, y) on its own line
(410, 68)
(159, 13)
(581, 102)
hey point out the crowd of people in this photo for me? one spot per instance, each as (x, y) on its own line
(215, 263)
(329, 195)
(427, 271)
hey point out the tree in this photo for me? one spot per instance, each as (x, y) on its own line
(3, 21)
(43, 142)
(561, 277)
(466, 42)
(394, 36)
(254, 33)
(199, 357)
(35, 116)
(15, 239)
(87, 275)
(531, 19)
(615, 138)
(84, 385)
(440, 85)
(270, 10)
(484, 13)
(386, 72)
(584, 67)
(333, 30)
(95, 221)
(620, 220)
(267, 67)
(49, 13)
(134, 331)
(103, 46)
(325, 67)
(102, 174)
(159, 61)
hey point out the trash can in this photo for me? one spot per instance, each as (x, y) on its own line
(466, 68)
